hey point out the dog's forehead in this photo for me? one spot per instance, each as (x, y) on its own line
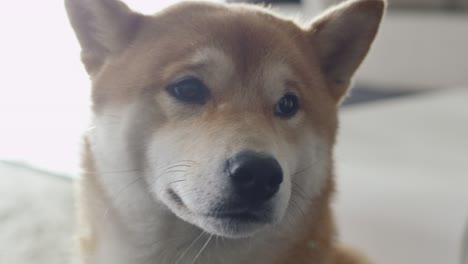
(248, 35)
(230, 40)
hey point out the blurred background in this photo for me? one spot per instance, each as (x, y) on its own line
(402, 153)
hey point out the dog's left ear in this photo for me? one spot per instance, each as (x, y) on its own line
(103, 27)
(342, 37)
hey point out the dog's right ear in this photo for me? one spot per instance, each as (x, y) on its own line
(342, 37)
(103, 28)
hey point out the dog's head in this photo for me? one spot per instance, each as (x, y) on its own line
(227, 111)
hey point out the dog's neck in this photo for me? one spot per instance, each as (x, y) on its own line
(174, 241)
(123, 224)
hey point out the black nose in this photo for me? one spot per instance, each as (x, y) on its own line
(256, 177)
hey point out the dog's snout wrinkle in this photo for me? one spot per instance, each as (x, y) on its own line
(255, 177)
(176, 198)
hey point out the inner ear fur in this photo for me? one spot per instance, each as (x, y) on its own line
(341, 38)
(103, 28)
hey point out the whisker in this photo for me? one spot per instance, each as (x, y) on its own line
(168, 173)
(112, 172)
(177, 161)
(305, 169)
(171, 172)
(298, 207)
(250, 244)
(301, 191)
(190, 246)
(128, 185)
(172, 182)
(203, 248)
(142, 169)
(115, 197)
(176, 166)
(172, 167)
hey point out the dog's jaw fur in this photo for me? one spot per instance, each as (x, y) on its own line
(113, 230)
(122, 216)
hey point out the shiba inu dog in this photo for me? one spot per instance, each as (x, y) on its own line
(213, 131)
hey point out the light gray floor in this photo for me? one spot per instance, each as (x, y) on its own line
(403, 177)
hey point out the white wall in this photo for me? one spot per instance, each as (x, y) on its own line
(425, 50)
(414, 49)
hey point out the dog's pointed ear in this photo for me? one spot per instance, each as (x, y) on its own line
(103, 28)
(342, 37)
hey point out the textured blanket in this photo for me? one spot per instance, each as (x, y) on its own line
(35, 217)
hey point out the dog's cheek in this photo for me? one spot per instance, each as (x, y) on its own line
(313, 164)
(176, 161)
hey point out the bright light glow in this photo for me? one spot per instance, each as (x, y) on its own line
(152, 6)
(44, 89)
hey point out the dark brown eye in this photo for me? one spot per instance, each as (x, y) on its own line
(190, 90)
(287, 106)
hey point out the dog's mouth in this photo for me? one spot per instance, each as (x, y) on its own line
(245, 216)
(237, 214)
(224, 221)
(176, 198)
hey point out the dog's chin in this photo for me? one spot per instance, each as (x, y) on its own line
(239, 224)
(235, 226)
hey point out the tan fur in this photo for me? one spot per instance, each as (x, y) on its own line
(131, 57)
(90, 195)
